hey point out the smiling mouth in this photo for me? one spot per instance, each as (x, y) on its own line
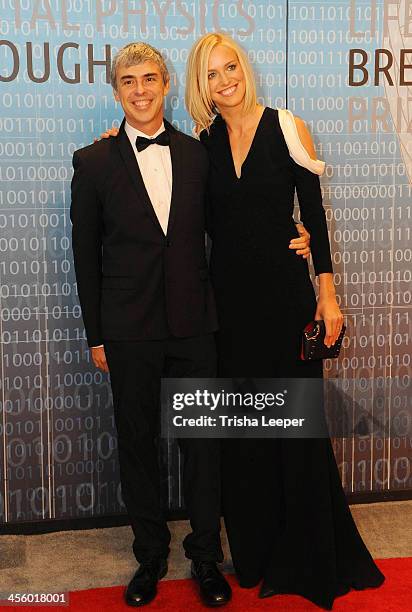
(229, 91)
(141, 103)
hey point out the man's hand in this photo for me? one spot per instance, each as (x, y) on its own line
(301, 244)
(113, 131)
(99, 358)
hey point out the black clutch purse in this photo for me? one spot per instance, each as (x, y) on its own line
(313, 346)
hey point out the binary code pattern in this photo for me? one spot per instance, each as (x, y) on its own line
(58, 454)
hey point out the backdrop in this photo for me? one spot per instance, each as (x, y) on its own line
(342, 66)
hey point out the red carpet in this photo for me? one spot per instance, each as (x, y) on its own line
(395, 595)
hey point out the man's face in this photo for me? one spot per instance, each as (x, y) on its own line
(140, 91)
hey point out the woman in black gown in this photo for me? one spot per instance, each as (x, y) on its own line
(286, 515)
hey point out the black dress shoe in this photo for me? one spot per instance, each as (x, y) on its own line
(143, 586)
(267, 591)
(214, 590)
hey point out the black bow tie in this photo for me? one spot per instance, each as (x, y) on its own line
(162, 139)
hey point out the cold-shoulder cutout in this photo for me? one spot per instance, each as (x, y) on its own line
(296, 149)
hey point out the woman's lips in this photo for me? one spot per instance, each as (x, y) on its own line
(228, 91)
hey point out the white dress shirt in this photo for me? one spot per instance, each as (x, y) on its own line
(155, 166)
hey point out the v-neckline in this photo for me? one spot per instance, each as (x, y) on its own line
(238, 178)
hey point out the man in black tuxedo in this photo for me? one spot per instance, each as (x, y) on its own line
(139, 251)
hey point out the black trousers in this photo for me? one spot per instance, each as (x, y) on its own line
(136, 369)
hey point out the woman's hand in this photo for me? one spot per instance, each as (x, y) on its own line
(113, 131)
(301, 244)
(328, 309)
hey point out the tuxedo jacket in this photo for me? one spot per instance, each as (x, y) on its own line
(135, 283)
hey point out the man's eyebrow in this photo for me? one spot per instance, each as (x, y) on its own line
(227, 64)
(132, 76)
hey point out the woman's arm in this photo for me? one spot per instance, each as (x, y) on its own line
(313, 216)
(328, 308)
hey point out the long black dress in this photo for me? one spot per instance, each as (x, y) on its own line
(285, 511)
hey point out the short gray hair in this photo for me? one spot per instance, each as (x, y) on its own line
(138, 53)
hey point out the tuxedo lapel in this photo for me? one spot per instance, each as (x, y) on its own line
(177, 161)
(133, 170)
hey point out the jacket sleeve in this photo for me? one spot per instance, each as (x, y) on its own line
(86, 217)
(208, 215)
(313, 217)
(203, 137)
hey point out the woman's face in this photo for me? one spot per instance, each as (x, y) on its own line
(227, 83)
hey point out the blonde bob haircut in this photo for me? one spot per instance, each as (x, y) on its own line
(197, 98)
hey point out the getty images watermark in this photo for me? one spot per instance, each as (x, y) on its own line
(221, 400)
(242, 407)
(285, 408)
